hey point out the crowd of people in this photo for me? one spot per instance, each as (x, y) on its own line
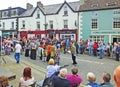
(49, 50)
(61, 78)
(46, 48)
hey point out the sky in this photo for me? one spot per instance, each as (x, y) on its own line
(4, 4)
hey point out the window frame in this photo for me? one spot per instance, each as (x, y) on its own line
(94, 24)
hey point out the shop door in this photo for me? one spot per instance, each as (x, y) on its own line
(114, 40)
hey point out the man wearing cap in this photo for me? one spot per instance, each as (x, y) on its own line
(17, 51)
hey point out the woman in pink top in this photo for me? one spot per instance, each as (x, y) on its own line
(74, 78)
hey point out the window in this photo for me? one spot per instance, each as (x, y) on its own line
(65, 23)
(3, 25)
(94, 5)
(14, 13)
(12, 23)
(111, 3)
(65, 10)
(51, 24)
(38, 25)
(117, 12)
(97, 38)
(23, 24)
(94, 24)
(5, 14)
(38, 14)
(116, 22)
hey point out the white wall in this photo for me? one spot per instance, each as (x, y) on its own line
(31, 22)
(8, 23)
(58, 19)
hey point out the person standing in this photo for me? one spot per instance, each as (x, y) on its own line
(73, 52)
(117, 51)
(90, 47)
(17, 51)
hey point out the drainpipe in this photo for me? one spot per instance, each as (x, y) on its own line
(78, 28)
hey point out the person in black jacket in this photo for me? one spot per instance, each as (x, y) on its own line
(59, 79)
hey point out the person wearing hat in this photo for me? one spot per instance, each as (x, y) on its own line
(17, 51)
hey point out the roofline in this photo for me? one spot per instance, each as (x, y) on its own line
(100, 9)
(63, 5)
(12, 8)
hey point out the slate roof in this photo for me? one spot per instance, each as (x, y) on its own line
(99, 5)
(28, 12)
(53, 9)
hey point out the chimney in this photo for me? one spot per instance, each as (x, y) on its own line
(39, 4)
(29, 6)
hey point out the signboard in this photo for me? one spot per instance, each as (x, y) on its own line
(106, 32)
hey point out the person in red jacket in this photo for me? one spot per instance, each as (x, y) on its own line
(95, 46)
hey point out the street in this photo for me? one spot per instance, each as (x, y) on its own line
(85, 64)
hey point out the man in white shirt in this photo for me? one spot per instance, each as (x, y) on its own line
(17, 51)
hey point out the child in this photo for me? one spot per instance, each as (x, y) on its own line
(58, 56)
(44, 55)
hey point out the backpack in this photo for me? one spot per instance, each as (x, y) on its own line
(47, 82)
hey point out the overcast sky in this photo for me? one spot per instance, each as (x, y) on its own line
(4, 4)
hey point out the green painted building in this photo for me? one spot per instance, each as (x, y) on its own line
(100, 20)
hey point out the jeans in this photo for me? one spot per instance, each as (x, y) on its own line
(17, 57)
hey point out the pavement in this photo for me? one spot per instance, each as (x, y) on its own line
(10, 68)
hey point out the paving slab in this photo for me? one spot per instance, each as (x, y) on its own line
(7, 73)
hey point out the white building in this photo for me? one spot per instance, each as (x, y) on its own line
(61, 20)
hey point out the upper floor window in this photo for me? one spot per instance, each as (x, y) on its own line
(65, 10)
(117, 12)
(65, 23)
(3, 25)
(94, 5)
(5, 14)
(38, 25)
(116, 22)
(12, 25)
(38, 13)
(94, 23)
(51, 24)
(111, 3)
(0, 15)
(14, 13)
(23, 24)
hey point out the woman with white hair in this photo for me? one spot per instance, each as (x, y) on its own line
(60, 80)
(91, 78)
